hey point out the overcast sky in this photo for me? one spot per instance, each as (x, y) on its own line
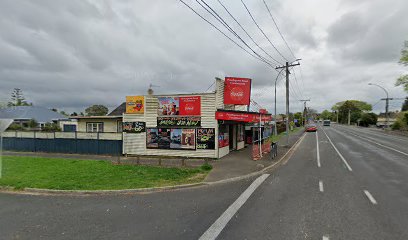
(72, 54)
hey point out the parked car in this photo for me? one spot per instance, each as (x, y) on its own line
(311, 127)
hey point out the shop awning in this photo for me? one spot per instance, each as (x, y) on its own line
(241, 116)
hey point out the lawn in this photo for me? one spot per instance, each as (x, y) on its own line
(68, 174)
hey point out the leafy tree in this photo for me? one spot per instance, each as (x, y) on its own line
(54, 109)
(403, 80)
(297, 115)
(367, 119)
(32, 123)
(362, 106)
(96, 110)
(74, 114)
(18, 99)
(64, 113)
(326, 115)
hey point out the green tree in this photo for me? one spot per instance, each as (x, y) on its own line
(403, 80)
(326, 115)
(362, 106)
(367, 119)
(96, 110)
(32, 123)
(18, 99)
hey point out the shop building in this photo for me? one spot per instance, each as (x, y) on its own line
(202, 125)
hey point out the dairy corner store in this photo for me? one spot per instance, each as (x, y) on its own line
(204, 125)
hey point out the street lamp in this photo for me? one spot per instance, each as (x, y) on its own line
(386, 102)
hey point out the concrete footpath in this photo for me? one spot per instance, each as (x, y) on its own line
(240, 163)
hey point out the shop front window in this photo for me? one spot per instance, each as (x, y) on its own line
(223, 136)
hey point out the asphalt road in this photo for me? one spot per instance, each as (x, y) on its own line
(355, 190)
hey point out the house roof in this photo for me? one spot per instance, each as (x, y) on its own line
(40, 114)
(96, 117)
(119, 110)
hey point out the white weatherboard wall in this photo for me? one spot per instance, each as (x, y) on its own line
(135, 143)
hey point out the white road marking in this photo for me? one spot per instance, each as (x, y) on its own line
(317, 149)
(341, 156)
(325, 238)
(379, 144)
(321, 186)
(216, 228)
(370, 197)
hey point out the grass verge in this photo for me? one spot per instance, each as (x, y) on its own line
(67, 174)
(280, 135)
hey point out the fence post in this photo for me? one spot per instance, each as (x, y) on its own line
(55, 144)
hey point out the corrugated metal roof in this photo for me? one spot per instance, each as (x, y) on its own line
(40, 114)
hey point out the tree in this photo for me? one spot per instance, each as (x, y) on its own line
(17, 98)
(64, 113)
(403, 80)
(362, 106)
(96, 110)
(74, 114)
(326, 115)
(367, 119)
(32, 123)
(405, 105)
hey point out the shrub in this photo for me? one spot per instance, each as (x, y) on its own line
(206, 167)
(15, 127)
(396, 126)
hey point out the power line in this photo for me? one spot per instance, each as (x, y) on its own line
(211, 11)
(253, 19)
(256, 57)
(276, 25)
(247, 32)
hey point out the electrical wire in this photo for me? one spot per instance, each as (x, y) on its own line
(276, 25)
(260, 29)
(219, 30)
(243, 29)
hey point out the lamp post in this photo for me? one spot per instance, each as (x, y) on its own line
(386, 103)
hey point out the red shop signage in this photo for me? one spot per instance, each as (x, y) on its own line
(241, 117)
(190, 106)
(237, 91)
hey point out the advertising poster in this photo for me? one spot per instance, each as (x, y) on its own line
(190, 106)
(152, 138)
(168, 106)
(175, 138)
(206, 138)
(178, 121)
(134, 127)
(237, 91)
(188, 139)
(134, 104)
(164, 138)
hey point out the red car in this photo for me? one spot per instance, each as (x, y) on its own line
(311, 128)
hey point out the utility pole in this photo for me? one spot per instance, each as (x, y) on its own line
(349, 115)
(287, 65)
(304, 110)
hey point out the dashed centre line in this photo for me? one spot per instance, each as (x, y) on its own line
(370, 197)
(321, 186)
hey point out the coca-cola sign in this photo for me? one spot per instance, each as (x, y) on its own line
(237, 91)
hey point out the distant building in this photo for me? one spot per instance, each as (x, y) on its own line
(109, 124)
(23, 114)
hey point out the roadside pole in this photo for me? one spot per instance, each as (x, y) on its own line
(287, 65)
(349, 113)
